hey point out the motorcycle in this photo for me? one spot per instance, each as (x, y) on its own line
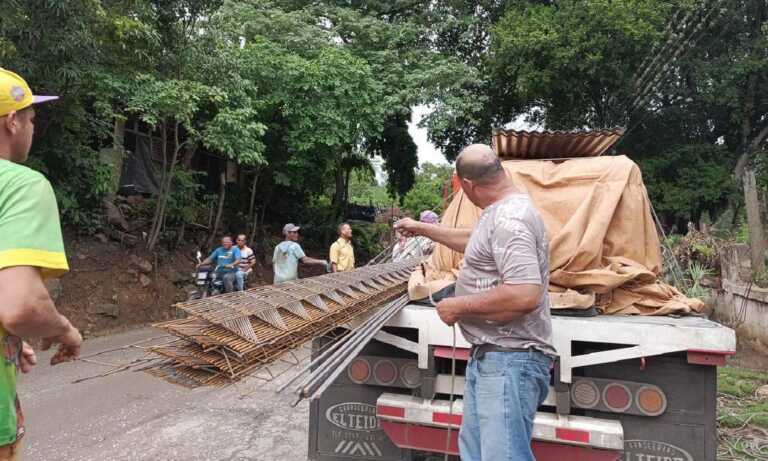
(208, 282)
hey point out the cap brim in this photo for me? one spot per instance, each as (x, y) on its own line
(38, 99)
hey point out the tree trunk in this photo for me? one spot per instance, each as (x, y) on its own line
(220, 208)
(252, 204)
(754, 220)
(189, 154)
(165, 187)
(338, 196)
(346, 188)
(257, 235)
(182, 231)
(160, 193)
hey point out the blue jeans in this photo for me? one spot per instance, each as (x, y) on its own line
(240, 277)
(501, 395)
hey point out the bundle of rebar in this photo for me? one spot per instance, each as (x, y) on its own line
(228, 337)
(328, 365)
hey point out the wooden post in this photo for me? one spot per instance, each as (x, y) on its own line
(754, 220)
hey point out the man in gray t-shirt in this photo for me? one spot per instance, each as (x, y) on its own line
(502, 307)
(508, 246)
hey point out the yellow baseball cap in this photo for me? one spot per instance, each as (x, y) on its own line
(15, 93)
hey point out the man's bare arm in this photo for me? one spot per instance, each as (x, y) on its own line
(205, 262)
(28, 309)
(234, 264)
(455, 238)
(313, 261)
(502, 304)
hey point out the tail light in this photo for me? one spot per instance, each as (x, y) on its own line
(651, 401)
(359, 370)
(385, 372)
(585, 394)
(617, 397)
(410, 375)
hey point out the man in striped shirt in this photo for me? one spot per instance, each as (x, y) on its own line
(247, 259)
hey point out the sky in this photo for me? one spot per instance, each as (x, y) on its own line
(427, 152)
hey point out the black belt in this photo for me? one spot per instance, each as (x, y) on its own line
(479, 351)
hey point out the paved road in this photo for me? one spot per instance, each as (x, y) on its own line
(134, 416)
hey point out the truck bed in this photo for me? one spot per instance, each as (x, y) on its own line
(629, 337)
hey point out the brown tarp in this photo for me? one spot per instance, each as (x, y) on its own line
(604, 248)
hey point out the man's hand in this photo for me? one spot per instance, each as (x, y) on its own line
(28, 358)
(448, 311)
(408, 227)
(69, 346)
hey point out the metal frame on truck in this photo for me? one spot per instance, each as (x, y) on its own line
(624, 386)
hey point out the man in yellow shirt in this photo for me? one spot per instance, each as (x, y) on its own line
(342, 252)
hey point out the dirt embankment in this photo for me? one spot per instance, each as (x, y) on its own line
(111, 287)
(106, 289)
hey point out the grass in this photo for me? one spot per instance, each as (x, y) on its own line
(740, 382)
(742, 416)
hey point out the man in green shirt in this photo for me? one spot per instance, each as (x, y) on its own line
(31, 249)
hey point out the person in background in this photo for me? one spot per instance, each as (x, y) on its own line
(342, 254)
(401, 249)
(288, 254)
(502, 307)
(247, 259)
(407, 247)
(226, 259)
(31, 249)
(429, 216)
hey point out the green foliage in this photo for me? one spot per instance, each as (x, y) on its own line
(364, 190)
(696, 249)
(185, 203)
(399, 152)
(696, 274)
(308, 91)
(684, 181)
(567, 62)
(761, 278)
(427, 192)
(369, 239)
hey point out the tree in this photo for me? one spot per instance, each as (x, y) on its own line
(689, 180)
(568, 64)
(176, 109)
(365, 190)
(427, 192)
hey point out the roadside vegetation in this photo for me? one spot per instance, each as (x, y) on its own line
(742, 414)
(270, 111)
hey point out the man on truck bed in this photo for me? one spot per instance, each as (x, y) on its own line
(502, 307)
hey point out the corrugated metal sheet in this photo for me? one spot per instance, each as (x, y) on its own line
(519, 145)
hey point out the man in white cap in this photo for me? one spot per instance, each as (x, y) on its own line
(31, 249)
(288, 254)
